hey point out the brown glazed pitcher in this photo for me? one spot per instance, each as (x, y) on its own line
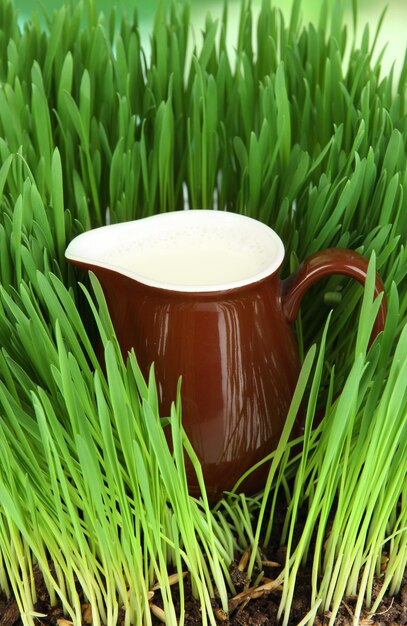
(198, 293)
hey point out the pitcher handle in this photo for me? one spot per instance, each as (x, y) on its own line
(323, 263)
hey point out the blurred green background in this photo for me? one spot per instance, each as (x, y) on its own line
(393, 31)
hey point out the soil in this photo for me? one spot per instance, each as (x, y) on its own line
(247, 610)
(250, 606)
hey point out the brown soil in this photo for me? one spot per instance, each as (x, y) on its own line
(247, 611)
(250, 606)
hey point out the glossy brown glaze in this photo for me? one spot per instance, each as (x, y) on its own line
(236, 353)
(237, 357)
(324, 263)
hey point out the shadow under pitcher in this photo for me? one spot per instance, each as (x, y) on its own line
(198, 293)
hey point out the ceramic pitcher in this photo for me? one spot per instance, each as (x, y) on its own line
(199, 294)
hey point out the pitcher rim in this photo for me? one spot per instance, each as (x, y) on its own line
(82, 250)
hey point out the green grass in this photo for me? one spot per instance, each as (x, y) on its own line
(300, 130)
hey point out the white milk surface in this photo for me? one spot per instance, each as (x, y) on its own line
(191, 265)
(186, 250)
